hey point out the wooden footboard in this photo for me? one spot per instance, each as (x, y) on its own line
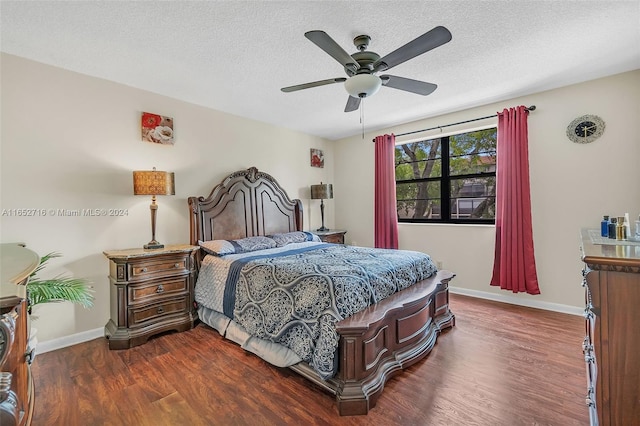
(383, 340)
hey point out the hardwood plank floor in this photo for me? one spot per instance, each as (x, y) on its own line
(500, 365)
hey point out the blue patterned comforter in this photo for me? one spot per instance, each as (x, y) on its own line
(295, 298)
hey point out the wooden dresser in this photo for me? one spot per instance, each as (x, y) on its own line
(16, 383)
(151, 292)
(611, 278)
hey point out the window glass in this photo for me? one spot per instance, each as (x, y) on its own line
(447, 179)
(418, 200)
(418, 160)
(473, 198)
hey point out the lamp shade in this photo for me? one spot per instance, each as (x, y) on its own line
(324, 191)
(153, 182)
(363, 85)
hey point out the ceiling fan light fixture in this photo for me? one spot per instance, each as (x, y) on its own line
(363, 85)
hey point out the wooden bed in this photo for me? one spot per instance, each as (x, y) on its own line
(375, 343)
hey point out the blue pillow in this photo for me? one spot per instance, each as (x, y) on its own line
(293, 237)
(243, 245)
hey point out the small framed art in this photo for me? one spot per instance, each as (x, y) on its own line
(157, 129)
(317, 158)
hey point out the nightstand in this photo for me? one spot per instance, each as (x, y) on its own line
(335, 236)
(151, 292)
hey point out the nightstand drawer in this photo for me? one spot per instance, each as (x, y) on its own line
(334, 236)
(154, 268)
(140, 316)
(148, 291)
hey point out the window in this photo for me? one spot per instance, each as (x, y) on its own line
(450, 179)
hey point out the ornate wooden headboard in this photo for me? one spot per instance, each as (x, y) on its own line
(245, 204)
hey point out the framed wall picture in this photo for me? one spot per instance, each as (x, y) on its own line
(317, 158)
(157, 129)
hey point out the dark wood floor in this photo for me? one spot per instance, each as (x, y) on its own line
(500, 365)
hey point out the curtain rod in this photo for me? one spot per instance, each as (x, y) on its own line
(531, 108)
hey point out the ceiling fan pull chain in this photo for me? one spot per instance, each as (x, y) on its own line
(362, 116)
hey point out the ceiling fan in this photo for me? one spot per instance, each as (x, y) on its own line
(362, 66)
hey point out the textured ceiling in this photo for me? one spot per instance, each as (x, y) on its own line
(235, 56)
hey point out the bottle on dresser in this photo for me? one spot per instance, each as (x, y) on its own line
(621, 230)
(604, 227)
(627, 226)
(612, 228)
(638, 228)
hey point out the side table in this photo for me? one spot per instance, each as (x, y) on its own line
(151, 292)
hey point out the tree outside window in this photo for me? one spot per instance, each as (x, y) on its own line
(450, 179)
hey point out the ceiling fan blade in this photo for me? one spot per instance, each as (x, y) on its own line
(409, 85)
(326, 43)
(313, 84)
(427, 41)
(352, 104)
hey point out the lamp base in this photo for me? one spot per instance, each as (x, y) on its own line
(153, 245)
(322, 228)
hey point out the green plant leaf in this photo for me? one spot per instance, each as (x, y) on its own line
(58, 289)
(43, 262)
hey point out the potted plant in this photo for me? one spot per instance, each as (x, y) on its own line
(58, 289)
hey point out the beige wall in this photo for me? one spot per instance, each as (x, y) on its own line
(572, 186)
(71, 141)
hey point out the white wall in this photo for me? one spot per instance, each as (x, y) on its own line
(572, 186)
(70, 141)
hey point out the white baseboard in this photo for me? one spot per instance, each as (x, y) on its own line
(74, 339)
(530, 303)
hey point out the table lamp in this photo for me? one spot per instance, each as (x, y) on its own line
(153, 183)
(322, 192)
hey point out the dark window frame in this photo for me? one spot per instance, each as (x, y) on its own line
(445, 187)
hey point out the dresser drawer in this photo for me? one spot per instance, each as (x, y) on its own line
(153, 313)
(14, 366)
(170, 265)
(8, 343)
(148, 292)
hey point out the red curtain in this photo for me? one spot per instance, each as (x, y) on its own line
(386, 216)
(514, 266)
